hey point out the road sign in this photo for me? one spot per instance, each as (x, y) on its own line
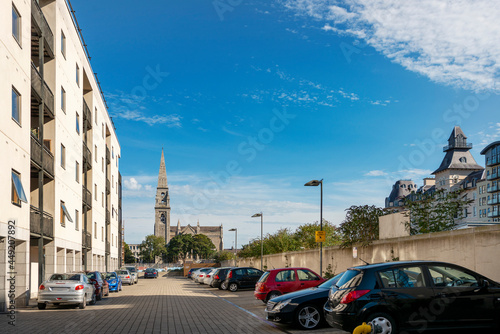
(320, 236)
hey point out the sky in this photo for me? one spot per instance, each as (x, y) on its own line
(251, 99)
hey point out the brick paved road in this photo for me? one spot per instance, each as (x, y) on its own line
(163, 305)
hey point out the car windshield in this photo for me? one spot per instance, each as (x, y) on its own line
(131, 269)
(91, 275)
(122, 272)
(65, 277)
(110, 275)
(264, 277)
(328, 284)
(150, 270)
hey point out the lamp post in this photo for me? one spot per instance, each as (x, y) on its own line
(235, 230)
(315, 183)
(261, 215)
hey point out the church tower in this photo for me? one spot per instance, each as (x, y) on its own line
(162, 206)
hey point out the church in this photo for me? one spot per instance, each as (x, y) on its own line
(162, 215)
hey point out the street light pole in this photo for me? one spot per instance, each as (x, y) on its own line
(315, 183)
(235, 230)
(261, 215)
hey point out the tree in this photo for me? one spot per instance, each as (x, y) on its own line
(223, 256)
(360, 225)
(284, 240)
(203, 246)
(152, 247)
(179, 247)
(128, 255)
(306, 234)
(434, 212)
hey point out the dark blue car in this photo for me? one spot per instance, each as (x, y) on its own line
(114, 281)
(151, 273)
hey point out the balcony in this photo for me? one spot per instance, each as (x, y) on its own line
(108, 217)
(108, 247)
(494, 160)
(87, 156)
(39, 28)
(36, 223)
(108, 156)
(86, 197)
(457, 145)
(494, 201)
(493, 176)
(494, 214)
(37, 96)
(86, 240)
(87, 116)
(492, 189)
(48, 158)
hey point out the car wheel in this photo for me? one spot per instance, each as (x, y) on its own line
(233, 287)
(93, 300)
(42, 306)
(99, 296)
(223, 286)
(384, 322)
(271, 295)
(308, 317)
(83, 304)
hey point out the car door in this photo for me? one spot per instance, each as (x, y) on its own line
(460, 297)
(253, 276)
(286, 281)
(405, 292)
(307, 279)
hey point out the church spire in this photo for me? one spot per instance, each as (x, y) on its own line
(162, 175)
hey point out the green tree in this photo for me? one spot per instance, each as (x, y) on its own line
(360, 225)
(152, 247)
(434, 212)
(284, 240)
(179, 247)
(203, 246)
(128, 255)
(252, 249)
(223, 256)
(306, 234)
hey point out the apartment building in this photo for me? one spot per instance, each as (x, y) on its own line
(492, 182)
(60, 152)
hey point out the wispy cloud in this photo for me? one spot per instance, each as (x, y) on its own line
(450, 42)
(376, 173)
(490, 135)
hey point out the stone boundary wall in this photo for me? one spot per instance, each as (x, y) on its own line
(475, 248)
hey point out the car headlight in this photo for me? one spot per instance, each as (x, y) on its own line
(113, 281)
(281, 305)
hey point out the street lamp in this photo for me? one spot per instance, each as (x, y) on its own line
(315, 183)
(261, 215)
(235, 230)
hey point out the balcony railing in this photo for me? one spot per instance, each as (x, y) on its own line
(86, 196)
(48, 96)
(87, 155)
(493, 176)
(36, 222)
(48, 158)
(457, 145)
(108, 159)
(87, 115)
(86, 240)
(494, 201)
(492, 189)
(42, 27)
(494, 214)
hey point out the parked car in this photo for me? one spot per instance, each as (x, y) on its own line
(220, 278)
(151, 273)
(209, 276)
(190, 272)
(303, 308)
(101, 286)
(114, 281)
(413, 296)
(241, 278)
(133, 271)
(201, 274)
(276, 282)
(195, 273)
(74, 288)
(125, 276)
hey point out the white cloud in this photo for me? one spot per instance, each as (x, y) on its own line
(450, 42)
(132, 184)
(489, 136)
(376, 173)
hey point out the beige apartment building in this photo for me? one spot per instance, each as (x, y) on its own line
(60, 153)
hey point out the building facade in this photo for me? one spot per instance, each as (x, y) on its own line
(63, 152)
(162, 227)
(492, 182)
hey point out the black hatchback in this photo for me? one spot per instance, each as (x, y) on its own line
(413, 296)
(242, 278)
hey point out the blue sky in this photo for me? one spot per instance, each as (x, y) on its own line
(360, 93)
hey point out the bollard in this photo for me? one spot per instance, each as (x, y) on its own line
(363, 329)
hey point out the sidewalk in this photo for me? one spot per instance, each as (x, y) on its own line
(163, 305)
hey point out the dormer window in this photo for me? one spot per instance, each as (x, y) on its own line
(463, 160)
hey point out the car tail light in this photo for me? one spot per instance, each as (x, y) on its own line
(42, 287)
(230, 275)
(260, 287)
(79, 287)
(127, 277)
(216, 277)
(353, 295)
(208, 276)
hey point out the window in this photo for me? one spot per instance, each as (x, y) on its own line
(77, 172)
(112, 181)
(63, 156)
(408, 277)
(285, 276)
(95, 230)
(16, 106)
(112, 239)
(63, 100)
(112, 152)
(77, 219)
(474, 211)
(95, 117)
(103, 130)
(463, 160)
(77, 69)
(103, 165)
(103, 200)
(95, 152)
(64, 215)
(306, 275)
(16, 25)
(17, 195)
(63, 44)
(95, 191)
(449, 276)
(77, 123)
(102, 233)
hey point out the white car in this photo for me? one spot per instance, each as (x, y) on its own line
(201, 275)
(73, 288)
(209, 277)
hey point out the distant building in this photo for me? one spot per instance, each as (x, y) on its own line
(136, 250)
(492, 182)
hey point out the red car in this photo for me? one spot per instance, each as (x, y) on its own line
(276, 282)
(101, 286)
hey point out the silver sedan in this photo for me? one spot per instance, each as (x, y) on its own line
(125, 276)
(73, 288)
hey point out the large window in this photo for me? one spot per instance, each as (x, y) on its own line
(77, 69)
(63, 100)
(77, 123)
(407, 277)
(285, 276)
(16, 106)
(65, 215)
(16, 25)
(77, 220)
(450, 276)
(18, 194)
(77, 172)
(63, 44)
(63, 156)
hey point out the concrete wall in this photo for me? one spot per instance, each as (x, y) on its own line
(473, 248)
(393, 226)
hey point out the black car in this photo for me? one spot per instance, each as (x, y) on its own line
(241, 278)
(413, 296)
(190, 272)
(219, 278)
(151, 273)
(304, 308)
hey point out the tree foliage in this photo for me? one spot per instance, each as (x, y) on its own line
(223, 256)
(203, 246)
(128, 255)
(434, 212)
(360, 225)
(179, 247)
(307, 234)
(152, 247)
